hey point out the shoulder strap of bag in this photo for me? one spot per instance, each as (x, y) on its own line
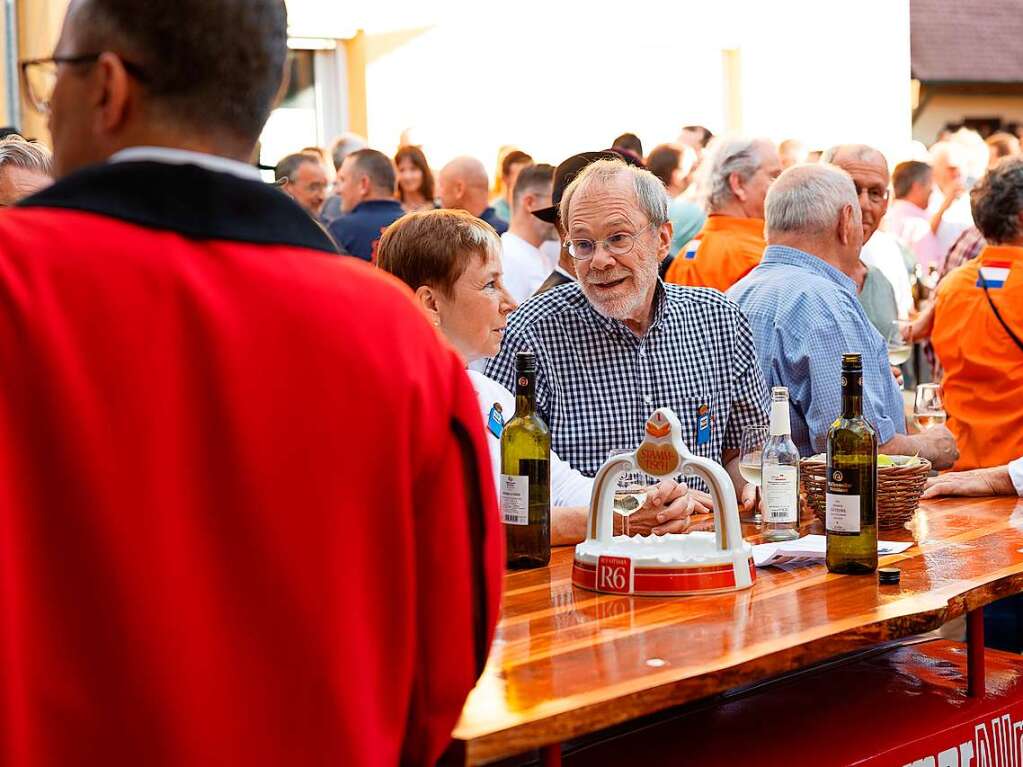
(1013, 336)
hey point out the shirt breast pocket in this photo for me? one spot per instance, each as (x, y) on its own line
(704, 419)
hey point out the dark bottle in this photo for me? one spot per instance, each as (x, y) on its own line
(851, 518)
(526, 474)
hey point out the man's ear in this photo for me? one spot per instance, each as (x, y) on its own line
(738, 186)
(427, 299)
(846, 221)
(365, 185)
(115, 95)
(664, 235)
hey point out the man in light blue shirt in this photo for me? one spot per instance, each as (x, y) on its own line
(803, 309)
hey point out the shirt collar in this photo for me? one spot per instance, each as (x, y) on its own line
(1010, 253)
(172, 156)
(378, 203)
(782, 254)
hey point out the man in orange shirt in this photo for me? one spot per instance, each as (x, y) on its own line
(734, 177)
(978, 328)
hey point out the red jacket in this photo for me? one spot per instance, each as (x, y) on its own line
(245, 508)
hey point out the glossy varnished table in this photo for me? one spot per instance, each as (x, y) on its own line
(566, 662)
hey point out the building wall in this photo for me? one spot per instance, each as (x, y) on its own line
(945, 108)
(39, 23)
(554, 81)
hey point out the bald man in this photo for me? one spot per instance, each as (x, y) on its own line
(463, 185)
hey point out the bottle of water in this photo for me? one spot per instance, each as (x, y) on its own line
(780, 467)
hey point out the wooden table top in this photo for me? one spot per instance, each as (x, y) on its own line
(566, 661)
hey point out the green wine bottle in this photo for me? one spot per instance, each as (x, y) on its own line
(526, 474)
(851, 518)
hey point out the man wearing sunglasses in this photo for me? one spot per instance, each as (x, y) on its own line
(196, 426)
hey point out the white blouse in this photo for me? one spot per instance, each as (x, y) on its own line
(568, 486)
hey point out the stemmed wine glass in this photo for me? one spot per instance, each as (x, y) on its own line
(928, 410)
(750, 466)
(899, 349)
(630, 492)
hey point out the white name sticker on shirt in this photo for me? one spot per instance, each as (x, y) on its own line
(515, 499)
(842, 514)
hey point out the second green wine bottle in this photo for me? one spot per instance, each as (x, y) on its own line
(851, 515)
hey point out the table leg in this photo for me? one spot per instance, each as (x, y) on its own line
(975, 686)
(550, 756)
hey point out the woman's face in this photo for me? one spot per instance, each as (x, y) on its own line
(474, 315)
(409, 176)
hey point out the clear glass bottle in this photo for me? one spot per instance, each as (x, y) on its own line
(780, 473)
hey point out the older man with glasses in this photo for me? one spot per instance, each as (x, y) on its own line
(619, 343)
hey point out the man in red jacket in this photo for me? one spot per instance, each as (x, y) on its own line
(243, 509)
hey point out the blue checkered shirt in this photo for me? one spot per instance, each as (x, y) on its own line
(805, 315)
(597, 382)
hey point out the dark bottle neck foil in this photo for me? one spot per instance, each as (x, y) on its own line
(852, 392)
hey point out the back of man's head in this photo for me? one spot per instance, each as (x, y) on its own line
(204, 65)
(25, 168)
(378, 168)
(535, 179)
(997, 202)
(908, 173)
(726, 156)
(807, 201)
(629, 142)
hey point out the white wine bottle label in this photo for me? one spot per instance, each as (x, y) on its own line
(842, 501)
(843, 514)
(781, 493)
(515, 499)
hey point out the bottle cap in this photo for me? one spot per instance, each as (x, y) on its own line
(889, 574)
(525, 362)
(852, 361)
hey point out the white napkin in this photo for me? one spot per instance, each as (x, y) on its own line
(810, 549)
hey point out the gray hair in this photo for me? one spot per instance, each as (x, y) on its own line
(650, 192)
(726, 155)
(997, 200)
(809, 199)
(344, 145)
(27, 155)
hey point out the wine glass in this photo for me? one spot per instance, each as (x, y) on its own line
(928, 410)
(750, 467)
(630, 491)
(899, 349)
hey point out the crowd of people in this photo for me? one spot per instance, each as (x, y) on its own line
(246, 441)
(828, 266)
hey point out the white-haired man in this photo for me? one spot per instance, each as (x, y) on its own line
(617, 344)
(802, 307)
(733, 180)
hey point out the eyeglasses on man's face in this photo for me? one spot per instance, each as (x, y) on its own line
(875, 194)
(618, 244)
(39, 76)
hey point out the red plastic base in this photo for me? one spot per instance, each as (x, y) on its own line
(906, 707)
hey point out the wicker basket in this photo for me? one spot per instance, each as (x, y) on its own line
(898, 490)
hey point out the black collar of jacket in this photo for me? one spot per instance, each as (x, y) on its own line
(193, 201)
